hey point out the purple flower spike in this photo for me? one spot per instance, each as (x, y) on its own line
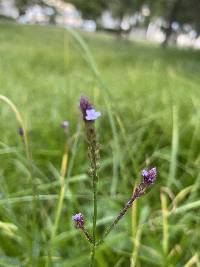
(92, 115)
(149, 176)
(84, 105)
(20, 131)
(64, 124)
(78, 220)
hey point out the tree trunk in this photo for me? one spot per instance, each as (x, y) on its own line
(173, 10)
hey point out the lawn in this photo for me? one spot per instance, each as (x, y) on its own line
(150, 104)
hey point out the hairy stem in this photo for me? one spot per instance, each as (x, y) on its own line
(95, 210)
(94, 222)
(137, 193)
(87, 235)
(93, 251)
(93, 154)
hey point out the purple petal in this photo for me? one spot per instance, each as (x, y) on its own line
(92, 114)
(144, 173)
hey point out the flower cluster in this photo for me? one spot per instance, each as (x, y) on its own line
(78, 220)
(149, 176)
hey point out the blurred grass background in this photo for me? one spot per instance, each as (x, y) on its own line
(149, 99)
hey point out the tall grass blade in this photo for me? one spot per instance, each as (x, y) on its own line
(165, 227)
(174, 153)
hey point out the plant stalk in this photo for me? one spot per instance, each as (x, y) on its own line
(140, 189)
(93, 154)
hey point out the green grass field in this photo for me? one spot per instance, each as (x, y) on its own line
(150, 104)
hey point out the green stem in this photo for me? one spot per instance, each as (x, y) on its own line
(94, 221)
(93, 153)
(58, 212)
(62, 192)
(95, 210)
(60, 200)
(139, 191)
(87, 235)
(93, 250)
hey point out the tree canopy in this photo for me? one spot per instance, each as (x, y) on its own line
(90, 9)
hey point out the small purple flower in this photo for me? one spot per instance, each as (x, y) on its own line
(84, 105)
(20, 131)
(149, 176)
(64, 124)
(89, 113)
(92, 115)
(78, 220)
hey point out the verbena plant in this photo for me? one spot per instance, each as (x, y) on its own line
(89, 115)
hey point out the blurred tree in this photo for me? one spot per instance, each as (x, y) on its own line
(180, 11)
(90, 9)
(189, 13)
(173, 8)
(23, 4)
(93, 9)
(121, 9)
